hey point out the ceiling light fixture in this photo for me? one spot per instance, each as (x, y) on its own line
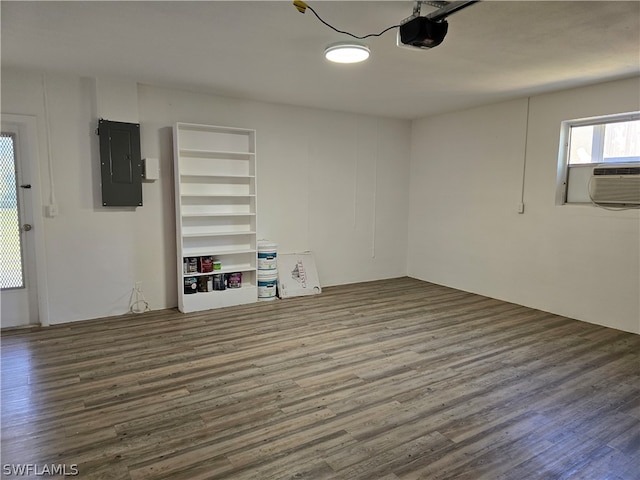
(346, 52)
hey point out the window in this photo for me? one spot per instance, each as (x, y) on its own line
(584, 143)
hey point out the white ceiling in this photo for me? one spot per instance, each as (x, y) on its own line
(268, 51)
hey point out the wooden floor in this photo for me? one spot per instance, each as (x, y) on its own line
(396, 379)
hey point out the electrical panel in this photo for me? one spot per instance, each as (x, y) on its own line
(121, 164)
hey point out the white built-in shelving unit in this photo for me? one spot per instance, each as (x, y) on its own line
(215, 182)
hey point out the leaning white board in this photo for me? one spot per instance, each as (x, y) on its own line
(297, 275)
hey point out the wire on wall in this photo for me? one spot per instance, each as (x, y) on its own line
(355, 178)
(524, 155)
(375, 192)
(47, 123)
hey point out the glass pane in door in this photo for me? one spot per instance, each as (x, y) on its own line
(11, 275)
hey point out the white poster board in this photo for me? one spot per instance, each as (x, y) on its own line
(297, 275)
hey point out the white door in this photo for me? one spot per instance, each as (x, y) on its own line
(18, 294)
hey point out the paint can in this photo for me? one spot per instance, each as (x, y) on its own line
(192, 264)
(205, 264)
(234, 280)
(205, 283)
(190, 285)
(267, 284)
(218, 282)
(267, 253)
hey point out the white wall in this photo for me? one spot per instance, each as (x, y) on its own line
(336, 184)
(329, 182)
(333, 183)
(464, 230)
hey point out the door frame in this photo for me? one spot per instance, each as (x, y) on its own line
(28, 144)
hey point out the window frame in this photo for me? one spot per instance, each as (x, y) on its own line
(562, 183)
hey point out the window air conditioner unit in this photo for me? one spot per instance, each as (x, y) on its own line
(615, 184)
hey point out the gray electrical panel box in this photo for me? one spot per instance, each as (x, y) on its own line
(121, 164)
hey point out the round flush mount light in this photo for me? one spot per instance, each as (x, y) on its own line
(346, 52)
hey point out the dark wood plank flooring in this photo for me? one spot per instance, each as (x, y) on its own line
(388, 380)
